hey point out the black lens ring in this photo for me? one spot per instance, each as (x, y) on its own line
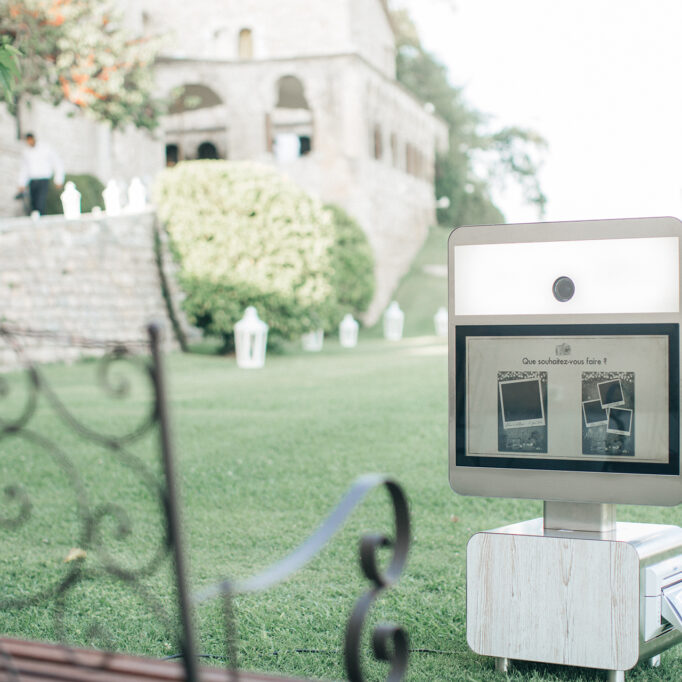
(563, 288)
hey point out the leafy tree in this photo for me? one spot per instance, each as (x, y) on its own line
(77, 51)
(477, 159)
(9, 70)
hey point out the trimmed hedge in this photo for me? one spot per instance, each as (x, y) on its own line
(352, 263)
(246, 235)
(88, 185)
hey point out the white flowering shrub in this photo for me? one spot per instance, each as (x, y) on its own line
(245, 235)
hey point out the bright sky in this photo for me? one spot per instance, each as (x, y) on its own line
(601, 80)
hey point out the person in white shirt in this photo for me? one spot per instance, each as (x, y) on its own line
(38, 164)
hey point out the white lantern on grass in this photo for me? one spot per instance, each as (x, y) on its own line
(250, 340)
(393, 322)
(71, 201)
(348, 332)
(313, 341)
(440, 321)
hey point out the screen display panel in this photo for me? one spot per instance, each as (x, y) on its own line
(601, 398)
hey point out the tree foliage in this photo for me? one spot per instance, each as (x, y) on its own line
(77, 51)
(9, 69)
(478, 158)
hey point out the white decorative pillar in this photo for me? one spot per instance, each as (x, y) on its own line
(71, 201)
(137, 196)
(112, 198)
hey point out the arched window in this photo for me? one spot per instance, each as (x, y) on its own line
(195, 125)
(207, 150)
(245, 47)
(194, 96)
(289, 127)
(290, 94)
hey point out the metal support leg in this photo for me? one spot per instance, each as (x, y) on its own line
(502, 665)
(655, 661)
(615, 676)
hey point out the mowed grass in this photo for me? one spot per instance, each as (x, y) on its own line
(263, 456)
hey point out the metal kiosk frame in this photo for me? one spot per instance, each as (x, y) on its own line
(564, 351)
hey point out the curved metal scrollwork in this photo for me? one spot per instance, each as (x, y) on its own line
(397, 653)
(101, 524)
(98, 525)
(389, 641)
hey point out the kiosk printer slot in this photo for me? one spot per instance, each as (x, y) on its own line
(564, 348)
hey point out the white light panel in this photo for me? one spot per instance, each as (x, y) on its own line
(610, 275)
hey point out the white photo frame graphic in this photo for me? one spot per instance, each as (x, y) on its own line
(521, 402)
(594, 414)
(619, 421)
(611, 393)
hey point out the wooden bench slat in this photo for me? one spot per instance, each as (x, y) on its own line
(42, 662)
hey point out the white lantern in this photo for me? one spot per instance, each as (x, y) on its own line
(71, 201)
(112, 198)
(250, 340)
(137, 196)
(348, 332)
(440, 321)
(393, 322)
(312, 341)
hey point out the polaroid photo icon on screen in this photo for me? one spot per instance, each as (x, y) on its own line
(594, 414)
(620, 421)
(521, 401)
(611, 393)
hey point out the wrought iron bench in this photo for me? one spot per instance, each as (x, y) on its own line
(22, 660)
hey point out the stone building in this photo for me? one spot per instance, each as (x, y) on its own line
(309, 86)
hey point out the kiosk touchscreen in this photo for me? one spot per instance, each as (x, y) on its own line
(564, 361)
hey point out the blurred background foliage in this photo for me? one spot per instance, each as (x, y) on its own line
(480, 158)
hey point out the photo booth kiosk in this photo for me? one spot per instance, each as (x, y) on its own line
(564, 349)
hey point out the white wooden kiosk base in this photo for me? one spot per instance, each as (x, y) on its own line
(590, 598)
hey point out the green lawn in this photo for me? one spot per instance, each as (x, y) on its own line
(263, 455)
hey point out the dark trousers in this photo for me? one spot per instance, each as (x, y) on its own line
(37, 189)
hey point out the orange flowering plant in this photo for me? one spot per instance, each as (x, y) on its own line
(80, 52)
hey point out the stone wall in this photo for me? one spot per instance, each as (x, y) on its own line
(279, 30)
(95, 279)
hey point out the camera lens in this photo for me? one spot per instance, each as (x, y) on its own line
(563, 288)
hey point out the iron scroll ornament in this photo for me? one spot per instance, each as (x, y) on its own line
(389, 641)
(92, 517)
